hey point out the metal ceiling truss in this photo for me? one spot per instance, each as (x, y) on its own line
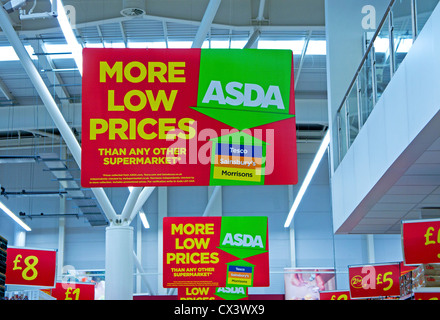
(197, 31)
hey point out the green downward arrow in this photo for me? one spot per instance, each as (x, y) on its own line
(242, 119)
(245, 88)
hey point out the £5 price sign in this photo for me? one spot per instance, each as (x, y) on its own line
(74, 291)
(31, 267)
(421, 241)
(377, 280)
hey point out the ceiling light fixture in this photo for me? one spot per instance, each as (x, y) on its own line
(144, 219)
(314, 166)
(67, 30)
(14, 217)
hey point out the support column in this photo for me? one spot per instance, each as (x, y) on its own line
(19, 237)
(138, 252)
(370, 248)
(162, 213)
(61, 241)
(119, 263)
(292, 231)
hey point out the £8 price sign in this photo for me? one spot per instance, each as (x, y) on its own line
(378, 280)
(30, 267)
(421, 241)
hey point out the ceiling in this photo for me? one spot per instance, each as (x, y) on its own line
(415, 194)
(26, 129)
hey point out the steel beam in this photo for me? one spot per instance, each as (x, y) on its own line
(206, 23)
(51, 106)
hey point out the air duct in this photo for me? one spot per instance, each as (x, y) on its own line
(133, 8)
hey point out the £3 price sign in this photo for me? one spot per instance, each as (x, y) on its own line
(377, 280)
(31, 267)
(74, 291)
(421, 241)
(334, 295)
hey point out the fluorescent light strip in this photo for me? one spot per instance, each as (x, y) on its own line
(142, 215)
(14, 217)
(7, 53)
(322, 148)
(144, 219)
(69, 35)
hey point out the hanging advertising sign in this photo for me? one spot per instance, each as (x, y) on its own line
(30, 267)
(378, 280)
(427, 294)
(404, 269)
(73, 291)
(334, 295)
(215, 252)
(421, 241)
(213, 293)
(188, 117)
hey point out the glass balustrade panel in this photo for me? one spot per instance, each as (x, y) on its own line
(424, 11)
(402, 30)
(342, 133)
(353, 114)
(382, 57)
(366, 92)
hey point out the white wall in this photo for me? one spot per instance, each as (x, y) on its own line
(409, 103)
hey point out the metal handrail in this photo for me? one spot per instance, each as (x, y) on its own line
(367, 52)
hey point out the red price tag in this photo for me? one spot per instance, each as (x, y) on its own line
(426, 295)
(74, 291)
(421, 241)
(374, 280)
(334, 295)
(30, 267)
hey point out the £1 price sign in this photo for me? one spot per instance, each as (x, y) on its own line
(378, 280)
(74, 291)
(421, 241)
(334, 295)
(31, 267)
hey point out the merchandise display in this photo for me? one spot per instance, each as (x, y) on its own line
(3, 247)
(424, 276)
(28, 295)
(406, 285)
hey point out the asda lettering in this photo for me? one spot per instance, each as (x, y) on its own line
(236, 290)
(163, 128)
(248, 95)
(136, 71)
(192, 250)
(243, 240)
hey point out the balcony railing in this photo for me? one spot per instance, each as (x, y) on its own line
(385, 51)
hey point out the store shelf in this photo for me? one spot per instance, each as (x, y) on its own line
(28, 295)
(3, 254)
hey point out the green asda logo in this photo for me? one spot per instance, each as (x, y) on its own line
(243, 240)
(248, 95)
(243, 237)
(245, 88)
